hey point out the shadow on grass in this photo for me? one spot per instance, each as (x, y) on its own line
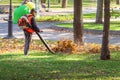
(45, 66)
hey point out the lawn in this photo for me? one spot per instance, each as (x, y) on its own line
(91, 25)
(13, 1)
(68, 17)
(45, 66)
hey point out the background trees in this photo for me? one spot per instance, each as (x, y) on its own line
(78, 25)
(99, 11)
(117, 1)
(64, 3)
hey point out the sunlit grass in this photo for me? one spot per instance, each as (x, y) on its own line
(55, 18)
(91, 25)
(13, 1)
(68, 17)
(45, 66)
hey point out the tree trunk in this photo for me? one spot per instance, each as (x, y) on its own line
(99, 11)
(118, 2)
(64, 3)
(59, 1)
(105, 53)
(43, 1)
(78, 22)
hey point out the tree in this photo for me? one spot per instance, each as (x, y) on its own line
(105, 53)
(59, 1)
(64, 3)
(118, 2)
(43, 1)
(99, 11)
(78, 22)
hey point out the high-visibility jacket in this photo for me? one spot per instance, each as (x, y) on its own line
(25, 23)
(29, 17)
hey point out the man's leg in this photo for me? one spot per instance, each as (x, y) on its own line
(27, 42)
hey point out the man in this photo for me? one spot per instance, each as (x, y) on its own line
(29, 31)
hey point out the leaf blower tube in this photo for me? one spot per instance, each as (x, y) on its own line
(44, 43)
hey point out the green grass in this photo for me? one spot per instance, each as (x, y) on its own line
(68, 17)
(55, 18)
(13, 1)
(92, 25)
(45, 66)
(89, 16)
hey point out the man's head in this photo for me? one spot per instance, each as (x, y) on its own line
(33, 12)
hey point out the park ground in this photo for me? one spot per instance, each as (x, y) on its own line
(42, 65)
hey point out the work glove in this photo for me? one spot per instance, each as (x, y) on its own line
(40, 31)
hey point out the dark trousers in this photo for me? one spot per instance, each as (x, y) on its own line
(27, 42)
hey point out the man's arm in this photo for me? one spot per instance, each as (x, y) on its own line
(34, 25)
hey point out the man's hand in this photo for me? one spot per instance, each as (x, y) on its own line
(40, 31)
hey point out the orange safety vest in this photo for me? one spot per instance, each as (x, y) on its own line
(29, 16)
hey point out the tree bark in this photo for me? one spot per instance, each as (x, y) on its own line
(99, 11)
(43, 1)
(64, 3)
(59, 1)
(117, 2)
(105, 53)
(78, 22)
